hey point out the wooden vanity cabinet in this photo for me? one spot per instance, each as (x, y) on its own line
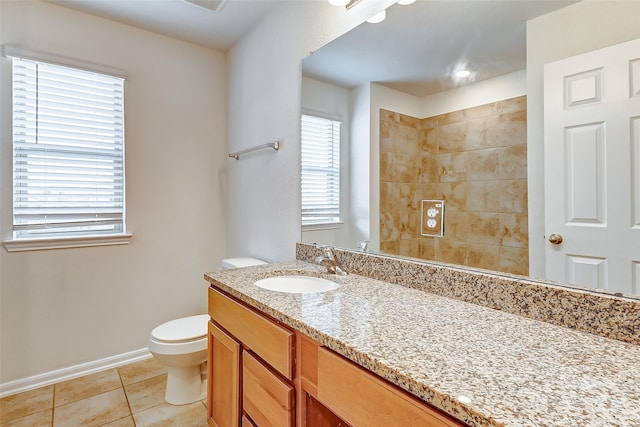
(265, 398)
(223, 394)
(337, 392)
(364, 399)
(251, 367)
(262, 374)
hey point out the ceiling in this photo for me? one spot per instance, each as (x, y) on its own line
(413, 50)
(181, 20)
(416, 49)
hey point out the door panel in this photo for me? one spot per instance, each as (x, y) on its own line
(223, 400)
(592, 168)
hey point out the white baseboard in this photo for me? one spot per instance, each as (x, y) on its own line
(41, 380)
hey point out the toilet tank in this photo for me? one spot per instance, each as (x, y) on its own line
(240, 262)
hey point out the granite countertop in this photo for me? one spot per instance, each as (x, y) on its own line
(482, 366)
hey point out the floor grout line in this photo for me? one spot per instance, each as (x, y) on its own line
(146, 395)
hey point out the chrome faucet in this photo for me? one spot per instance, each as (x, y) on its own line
(363, 246)
(329, 261)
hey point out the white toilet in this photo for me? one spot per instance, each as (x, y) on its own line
(181, 345)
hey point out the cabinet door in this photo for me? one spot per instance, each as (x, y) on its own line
(246, 422)
(364, 400)
(223, 397)
(269, 401)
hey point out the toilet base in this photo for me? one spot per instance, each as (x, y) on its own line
(185, 385)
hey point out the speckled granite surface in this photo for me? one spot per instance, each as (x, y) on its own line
(598, 313)
(483, 366)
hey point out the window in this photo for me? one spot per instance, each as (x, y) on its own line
(68, 151)
(320, 171)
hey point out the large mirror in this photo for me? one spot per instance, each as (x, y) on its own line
(412, 130)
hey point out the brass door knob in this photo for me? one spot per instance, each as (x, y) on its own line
(555, 239)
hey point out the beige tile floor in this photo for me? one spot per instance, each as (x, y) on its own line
(127, 396)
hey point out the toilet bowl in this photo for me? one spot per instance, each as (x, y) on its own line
(181, 345)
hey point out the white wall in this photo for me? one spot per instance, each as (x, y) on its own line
(264, 105)
(61, 308)
(333, 102)
(579, 28)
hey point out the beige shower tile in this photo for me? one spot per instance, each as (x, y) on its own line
(409, 224)
(452, 137)
(477, 134)
(514, 230)
(483, 256)
(513, 195)
(385, 131)
(87, 386)
(429, 136)
(146, 394)
(389, 226)
(429, 122)
(399, 134)
(514, 260)
(451, 251)
(26, 403)
(510, 105)
(93, 411)
(387, 115)
(39, 419)
(452, 117)
(139, 371)
(410, 248)
(389, 196)
(405, 141)
(409, 121)
(399, 167)
(408, 197)
(453, 193)
(481, 196)
(482, 111)
(479, 227)
(428, 248)
(513, 162)
(428, 169)
(469, 166)
(192, 415)
(454, 224)
(507, 129)
(390, 247)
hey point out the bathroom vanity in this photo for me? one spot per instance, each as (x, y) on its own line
(376, 353)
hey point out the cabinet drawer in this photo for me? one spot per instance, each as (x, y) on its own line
(265, 398)
(269, 341)
(364, 400)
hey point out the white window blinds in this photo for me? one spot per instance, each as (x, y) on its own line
(68, 151)
(320, 170)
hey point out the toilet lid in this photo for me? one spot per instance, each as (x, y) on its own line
(184, 329)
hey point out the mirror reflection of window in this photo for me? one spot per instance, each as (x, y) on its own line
(320, 171)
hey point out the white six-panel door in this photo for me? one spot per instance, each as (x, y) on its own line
(592, 168)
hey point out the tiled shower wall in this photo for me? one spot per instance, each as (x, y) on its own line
(475, 160)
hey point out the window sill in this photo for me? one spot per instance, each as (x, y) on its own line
(325, 226)
(22, 245)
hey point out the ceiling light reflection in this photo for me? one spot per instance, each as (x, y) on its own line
(378, 17)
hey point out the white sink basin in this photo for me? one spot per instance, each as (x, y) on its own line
(297, 284)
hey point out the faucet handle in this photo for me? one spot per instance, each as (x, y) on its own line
(363, 246)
